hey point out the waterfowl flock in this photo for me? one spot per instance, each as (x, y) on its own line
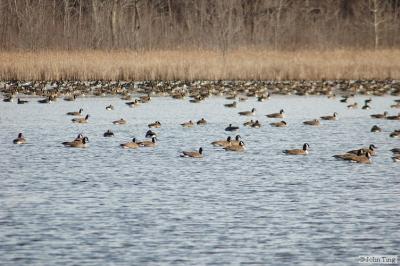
(198, 91)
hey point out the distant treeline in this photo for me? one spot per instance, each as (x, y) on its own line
(205, 24)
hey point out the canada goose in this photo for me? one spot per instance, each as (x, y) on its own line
(231, 105)
(396, 158)
(240, 147)
(19, 101)
(370, 149)
(108, 133)
(366, 107)
(70, 98)
(393, 117)
(8, 99)
(130, 145)
(248, 123)
(77, 144)
(202, 122)
(222, 143)
(188, 124)
(380, 116)
(375, 128)
(248, 113)
(75, 113)
(156, 124)
(314, 122)
(150, 134)
(79, 137)
(395, 150)
(256, 124)
(231, 128)
(45, 100)
(20, 139)
(330, 117)
(359, 158)
(80, 120)
(133, 103)
(145, 98)
(352, 106)
(395, 134)
(147, 143)
(109, 107)
(119, 122)
(367, 101)
(277, 115)
(303, 151)
(279, 124)
(237, 140)
(193, 154)
(344, 99)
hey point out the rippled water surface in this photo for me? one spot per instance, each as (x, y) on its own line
(105, 205)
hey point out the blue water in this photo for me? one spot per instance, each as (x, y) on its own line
(104, 205)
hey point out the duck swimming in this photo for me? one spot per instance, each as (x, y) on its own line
(231, 128)
(20, 139)
(80, 120)
(193, 154)
(277, 115)
(108, 133)
(75, 113)
(130, 145)
(330, 117)
(303, 151)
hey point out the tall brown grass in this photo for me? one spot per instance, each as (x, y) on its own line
(243, 64)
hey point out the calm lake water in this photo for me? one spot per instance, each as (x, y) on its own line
(108, 206)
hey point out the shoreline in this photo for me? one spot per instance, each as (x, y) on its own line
(198, 90)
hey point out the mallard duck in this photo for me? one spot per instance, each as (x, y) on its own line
(130, 145)
(193, 154)
(231, 128)
(277, 115)
(303, 151)
(108, 133)
(20, 139)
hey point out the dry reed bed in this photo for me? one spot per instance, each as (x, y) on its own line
(243, 64)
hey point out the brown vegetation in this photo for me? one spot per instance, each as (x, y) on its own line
(189, 65)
